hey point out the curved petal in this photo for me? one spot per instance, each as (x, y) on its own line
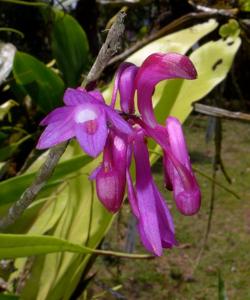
(127, 89)
(186, 189)
(158, 67)
(146, 198)
(132, 196)
(58, 114)
(118, 74)
(166, 224)
(55, 133)
(97, 95)
(73, 97)
(91, 128)
(117, 121)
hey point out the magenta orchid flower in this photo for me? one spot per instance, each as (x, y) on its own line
(121, 136)
(86, 117)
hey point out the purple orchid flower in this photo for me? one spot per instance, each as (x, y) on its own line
(86, 117)
(122, 135)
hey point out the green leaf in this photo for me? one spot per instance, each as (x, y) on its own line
(70, 47)
(42, 84)
(23, 245)
(15, 245)
(11, 189)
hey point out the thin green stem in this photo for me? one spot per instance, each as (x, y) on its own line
(122, 254)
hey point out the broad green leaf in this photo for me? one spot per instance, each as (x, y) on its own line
(42, 84)
(70, 47)
(11, 189)
(17, 245)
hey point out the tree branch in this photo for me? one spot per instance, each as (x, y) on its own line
(220, 112)
(109, 48)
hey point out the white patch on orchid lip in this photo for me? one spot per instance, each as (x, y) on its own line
(119, 144)
(85, 115)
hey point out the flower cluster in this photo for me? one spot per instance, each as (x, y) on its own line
(122, 136)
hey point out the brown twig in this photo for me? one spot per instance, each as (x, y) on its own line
(109, 48)
(221, 113)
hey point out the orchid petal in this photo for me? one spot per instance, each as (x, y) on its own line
(73, 97)
(91, 128)
(132, 195)
(186, 190)
(55, 133)
(97, 95)
(166, 224)
(158, 67)
(118, 74)
(118, 122)
(146, 197)
(58, 114)
(127, 89)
